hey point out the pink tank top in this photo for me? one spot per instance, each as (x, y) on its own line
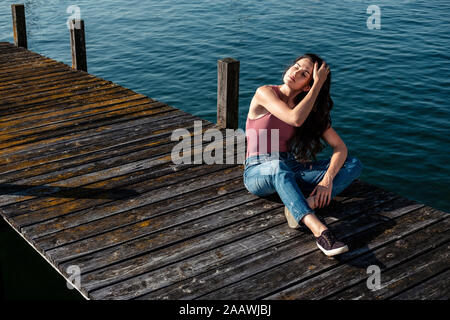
(260, 137)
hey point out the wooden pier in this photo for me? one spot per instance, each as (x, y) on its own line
(86, 178)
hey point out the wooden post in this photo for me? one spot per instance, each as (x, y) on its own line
(78, 45)
(228, 93)
(19, 25)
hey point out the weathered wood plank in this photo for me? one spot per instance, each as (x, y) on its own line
(24, 84)
(147, 263)
(10, 62)
(207, 273)
(436, 288)
(91, 173)
(55, 94)
(22, 65)
(98, 123)
(6, 49)
(139, 182)
(66, 94)
(168, 119)
(40, 89)
(97, 196)
(353, 271)
(88, 95)
(258, 219)
(193, 197)
(20, 53)
(51, 78)
(80, 166)
(36, 75)
(151, 219)
(95, 129)
(54, 146)
(6, 46)
(288, 274)
(80, 248)
(401, 277)
(36, 93)
(51, 233)
(69, 114)
(87, 121)
(43, 164)
(34, 96)
(40, 196)
(25, 65)
(71, 166)
(14, 58)
(115, 95)
(60, 206)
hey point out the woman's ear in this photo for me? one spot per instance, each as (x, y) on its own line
(306, 88)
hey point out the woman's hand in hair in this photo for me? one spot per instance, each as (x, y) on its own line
(321, 74)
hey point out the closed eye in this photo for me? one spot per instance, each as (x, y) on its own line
(305, 73)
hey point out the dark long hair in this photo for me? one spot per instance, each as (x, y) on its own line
(306, 142)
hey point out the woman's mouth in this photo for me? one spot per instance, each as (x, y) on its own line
(292, 78)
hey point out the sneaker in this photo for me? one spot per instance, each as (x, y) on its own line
(290, 219)
(330, 245)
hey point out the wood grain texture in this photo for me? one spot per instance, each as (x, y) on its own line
(267, 250)
(19, 25)
(401, 277)
(434, 288)
(78, 45)
(315, 263)
(228, 93)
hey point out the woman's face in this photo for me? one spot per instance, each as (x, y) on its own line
(299, 75)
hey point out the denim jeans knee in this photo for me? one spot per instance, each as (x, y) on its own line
(258, 178)
(270, 175)
(354, 166)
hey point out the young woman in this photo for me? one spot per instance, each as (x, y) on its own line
(284, 126)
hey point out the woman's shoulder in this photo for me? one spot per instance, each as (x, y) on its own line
(257, 108)
(267, 89)
(264, 93)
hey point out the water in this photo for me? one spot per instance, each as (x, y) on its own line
(390, 85)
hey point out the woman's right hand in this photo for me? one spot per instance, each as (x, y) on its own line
(319, 76)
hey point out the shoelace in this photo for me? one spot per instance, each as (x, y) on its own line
(329, 237)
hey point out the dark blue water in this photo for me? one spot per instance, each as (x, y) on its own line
(391, 86)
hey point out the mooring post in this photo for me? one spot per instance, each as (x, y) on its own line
(78, 45)
(228, 93)
(19, 25)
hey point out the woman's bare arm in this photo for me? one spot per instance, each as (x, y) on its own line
(297, 115)
(339, 152)
(322, 192)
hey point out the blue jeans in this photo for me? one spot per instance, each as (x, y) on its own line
(292, 180)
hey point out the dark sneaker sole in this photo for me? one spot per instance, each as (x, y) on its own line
(333, 252)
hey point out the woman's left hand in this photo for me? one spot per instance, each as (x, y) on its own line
(322, 192)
